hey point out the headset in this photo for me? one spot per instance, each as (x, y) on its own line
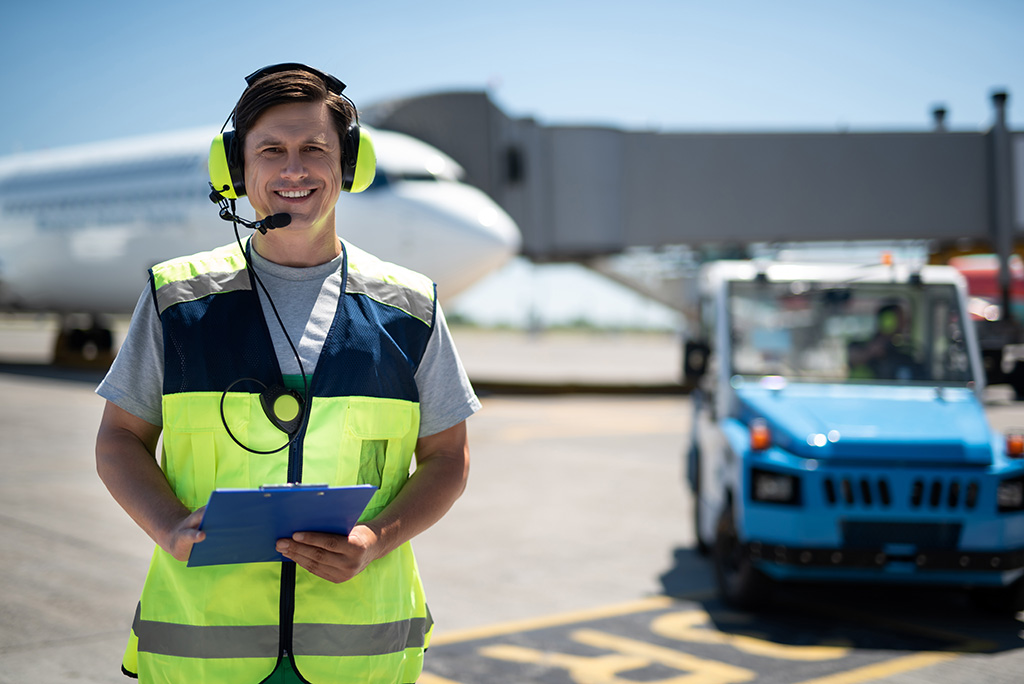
(286, 409)
(358, 159)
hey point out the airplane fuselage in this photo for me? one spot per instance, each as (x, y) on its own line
(80, 227)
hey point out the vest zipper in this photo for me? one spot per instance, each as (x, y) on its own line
(287, 603)
(287, 607)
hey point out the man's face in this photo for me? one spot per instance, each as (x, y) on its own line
(293, 164)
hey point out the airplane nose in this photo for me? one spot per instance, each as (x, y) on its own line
(451, 232)
(473, 235)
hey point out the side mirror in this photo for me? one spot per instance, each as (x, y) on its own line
(695, 362)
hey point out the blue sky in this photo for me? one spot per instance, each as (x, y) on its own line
(79, 72)
(85, 71)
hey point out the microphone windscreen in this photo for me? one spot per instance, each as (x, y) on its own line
(280, 220)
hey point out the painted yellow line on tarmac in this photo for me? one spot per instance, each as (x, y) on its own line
(427, 678)
(876, 671)
(653, 603)
(623, 654)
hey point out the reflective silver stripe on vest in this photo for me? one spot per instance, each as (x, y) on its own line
(359, 640)
(262, 641)
(200, 286)
(411, 301)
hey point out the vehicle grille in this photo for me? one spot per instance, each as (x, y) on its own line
(875, 535)
(924, 493)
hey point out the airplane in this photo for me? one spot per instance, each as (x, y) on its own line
(80, 226)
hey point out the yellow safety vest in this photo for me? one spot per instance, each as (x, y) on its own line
(231, 623)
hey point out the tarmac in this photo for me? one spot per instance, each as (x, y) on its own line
(576, 523)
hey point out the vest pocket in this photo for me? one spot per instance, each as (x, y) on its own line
(372, 457)
(383, 433)
(198, 454)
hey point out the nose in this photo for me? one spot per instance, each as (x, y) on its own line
(294, 167)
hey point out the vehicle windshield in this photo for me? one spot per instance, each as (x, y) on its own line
(849, 332)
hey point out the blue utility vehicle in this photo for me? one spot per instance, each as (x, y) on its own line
(839, 434)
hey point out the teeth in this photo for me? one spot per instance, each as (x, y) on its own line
(294, 194)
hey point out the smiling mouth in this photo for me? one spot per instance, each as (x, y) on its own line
(294, 194)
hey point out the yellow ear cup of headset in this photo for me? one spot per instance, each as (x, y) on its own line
(226, 178)
(365, 167)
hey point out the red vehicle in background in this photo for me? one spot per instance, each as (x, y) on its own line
(1001, 336)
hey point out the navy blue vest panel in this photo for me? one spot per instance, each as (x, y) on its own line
(210, 343)
(372, 349)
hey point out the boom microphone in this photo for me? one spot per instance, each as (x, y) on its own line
(228, 214)
(271, 222)
(263, 225)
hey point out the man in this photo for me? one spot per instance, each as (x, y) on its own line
(366, 350)
(888, 354)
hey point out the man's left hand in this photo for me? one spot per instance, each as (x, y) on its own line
(333, 557)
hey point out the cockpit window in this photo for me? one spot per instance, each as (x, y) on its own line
(383, 180)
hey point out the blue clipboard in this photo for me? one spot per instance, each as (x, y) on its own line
(243, 525)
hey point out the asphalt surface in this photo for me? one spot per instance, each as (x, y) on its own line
(568, 559)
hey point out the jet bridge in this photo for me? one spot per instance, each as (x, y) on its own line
(581, 193)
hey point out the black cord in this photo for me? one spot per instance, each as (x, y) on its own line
(302, 371)
(224, 420)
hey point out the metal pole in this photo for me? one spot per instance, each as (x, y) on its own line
(1002, 199)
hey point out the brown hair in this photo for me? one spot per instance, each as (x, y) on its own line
(285, 87)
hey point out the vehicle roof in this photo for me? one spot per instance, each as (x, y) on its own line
(829, 272)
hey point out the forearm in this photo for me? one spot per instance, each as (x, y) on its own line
(428, 495)
(127, 465)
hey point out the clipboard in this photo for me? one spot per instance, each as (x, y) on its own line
(243, 525)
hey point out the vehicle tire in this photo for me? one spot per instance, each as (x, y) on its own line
(1007, 600)
(693, 479)
(1016, 379)
(740, 584)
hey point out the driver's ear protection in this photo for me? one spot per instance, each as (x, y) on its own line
(358, 159)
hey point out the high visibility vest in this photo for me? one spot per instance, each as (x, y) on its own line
(231, 623)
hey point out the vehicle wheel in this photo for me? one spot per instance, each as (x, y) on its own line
(693, 463)
(1016, 380)
(740, 584)
(1000, 600)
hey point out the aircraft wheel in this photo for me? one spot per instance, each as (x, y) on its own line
(740, 584)
(84, 347)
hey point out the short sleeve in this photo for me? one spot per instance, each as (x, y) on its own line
(135, 379)
(446, 394)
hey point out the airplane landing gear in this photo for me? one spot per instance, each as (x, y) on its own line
(84, 347)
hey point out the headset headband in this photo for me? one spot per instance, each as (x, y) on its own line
(333, 84)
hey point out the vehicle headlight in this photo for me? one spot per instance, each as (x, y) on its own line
(770, 487)
(1010, 495)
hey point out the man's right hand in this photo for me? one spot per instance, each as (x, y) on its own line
(182, 536)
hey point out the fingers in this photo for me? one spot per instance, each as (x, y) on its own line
(186, 534)
(329, 556)
(333, 567)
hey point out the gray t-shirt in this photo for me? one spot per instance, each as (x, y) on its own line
(306, 299)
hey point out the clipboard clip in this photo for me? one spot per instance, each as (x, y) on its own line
(290, 485)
